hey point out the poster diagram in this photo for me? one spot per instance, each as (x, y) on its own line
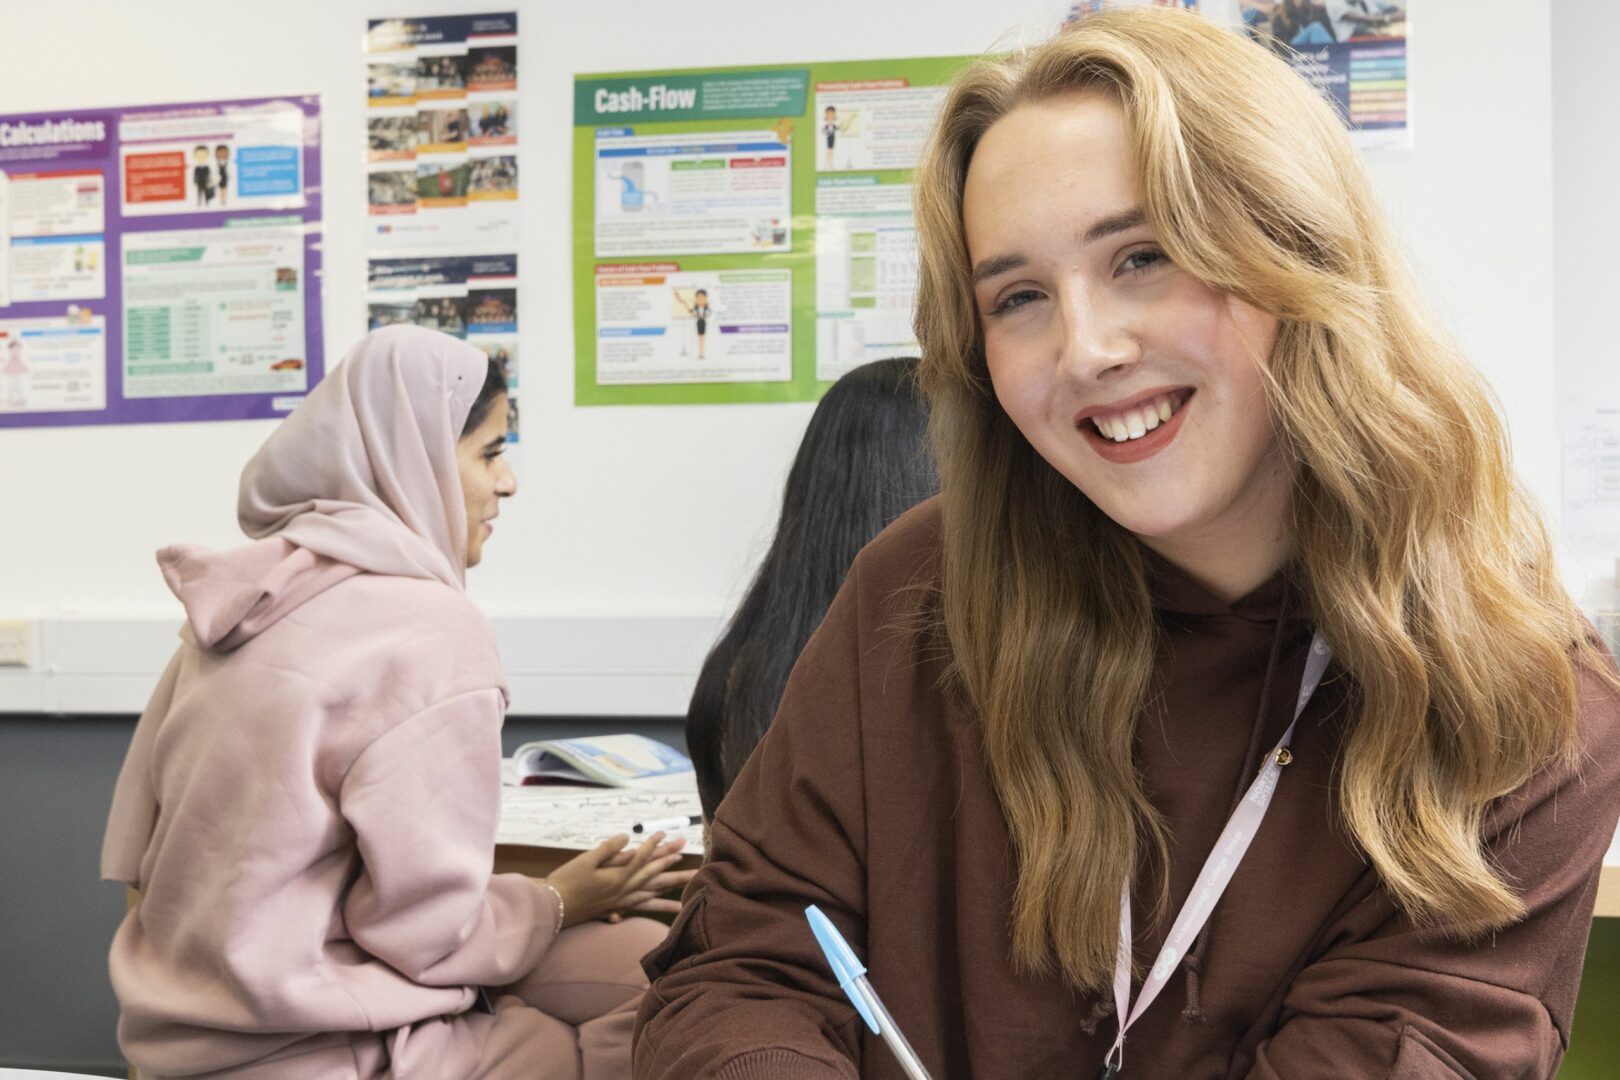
(873, 124)
(159, 263)
(214, 311)
(442, 180)
(866, 273)
(745, 234)
(658, 324)
(249, 159)
(54, 365)
(727, 192)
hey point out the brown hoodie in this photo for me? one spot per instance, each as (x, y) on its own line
(870, 797)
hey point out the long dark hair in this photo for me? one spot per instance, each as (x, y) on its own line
(864, 461)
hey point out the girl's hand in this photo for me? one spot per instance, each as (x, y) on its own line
(612, 877)
(675, 879)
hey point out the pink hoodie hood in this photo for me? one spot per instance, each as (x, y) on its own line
(361, 477)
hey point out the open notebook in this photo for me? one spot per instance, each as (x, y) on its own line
(628, 761)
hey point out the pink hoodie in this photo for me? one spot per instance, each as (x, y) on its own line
(310, 800)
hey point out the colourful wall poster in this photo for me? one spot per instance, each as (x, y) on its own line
(1082, 8)
(745, 234)
(442, 133)
(442, 208)
(198, 318)
(1353, 51)
(176, 162)
(159, 263)
(470, 297)
(727, 192)
(54, 365)
(657, 324)
(866, 272)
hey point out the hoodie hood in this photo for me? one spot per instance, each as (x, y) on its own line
(364, 471)
(231, 597)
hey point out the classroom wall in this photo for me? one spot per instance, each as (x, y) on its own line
(1586, 221)
(640, 511)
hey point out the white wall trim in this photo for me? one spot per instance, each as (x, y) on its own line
(630, 665)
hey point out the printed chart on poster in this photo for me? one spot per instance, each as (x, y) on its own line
(442, 221)
(159, 263)
(745, 234)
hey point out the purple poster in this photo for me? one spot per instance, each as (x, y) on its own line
(160, 263)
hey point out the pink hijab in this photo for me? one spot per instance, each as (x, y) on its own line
(364, 471)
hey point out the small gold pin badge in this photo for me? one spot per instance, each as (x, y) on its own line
(1284, 756)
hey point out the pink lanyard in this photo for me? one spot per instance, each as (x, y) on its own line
(1212, 879)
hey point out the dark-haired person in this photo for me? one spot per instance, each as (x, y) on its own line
(1224, 717)
(700, 311)
(308, 806)
(202, 175)
(222, 169)
(863, 462)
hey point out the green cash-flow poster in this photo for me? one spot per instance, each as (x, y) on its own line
(745, 234)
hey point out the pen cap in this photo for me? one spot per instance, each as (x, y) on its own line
(846, 967)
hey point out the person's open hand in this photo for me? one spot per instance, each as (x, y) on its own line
(613, 877)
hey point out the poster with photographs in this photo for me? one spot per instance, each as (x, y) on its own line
(442, 180)
(473, 298)
(1082, 8)
(1353, 51)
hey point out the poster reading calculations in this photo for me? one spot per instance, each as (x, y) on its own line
(159, 263)
(745, 234)
(443, 226)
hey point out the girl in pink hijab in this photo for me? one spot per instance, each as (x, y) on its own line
(309, 803)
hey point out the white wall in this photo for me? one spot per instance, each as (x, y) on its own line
(1586, 168)
(642, 511)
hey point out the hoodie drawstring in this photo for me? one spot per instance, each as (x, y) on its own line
(1100, 1011)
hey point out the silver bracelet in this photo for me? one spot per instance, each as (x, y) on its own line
(558, 895)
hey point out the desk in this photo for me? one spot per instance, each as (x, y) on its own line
(543, 827)
(1608, 899)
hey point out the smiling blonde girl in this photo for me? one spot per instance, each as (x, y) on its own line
(1229, 576)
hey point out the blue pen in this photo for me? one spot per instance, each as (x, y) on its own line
(851, 975)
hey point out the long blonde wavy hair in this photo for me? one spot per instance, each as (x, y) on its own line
(1420, 559)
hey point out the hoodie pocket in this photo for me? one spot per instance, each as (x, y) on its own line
(688, 936)
(1420, 1059)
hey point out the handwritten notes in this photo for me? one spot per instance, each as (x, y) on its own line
(577, 820)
